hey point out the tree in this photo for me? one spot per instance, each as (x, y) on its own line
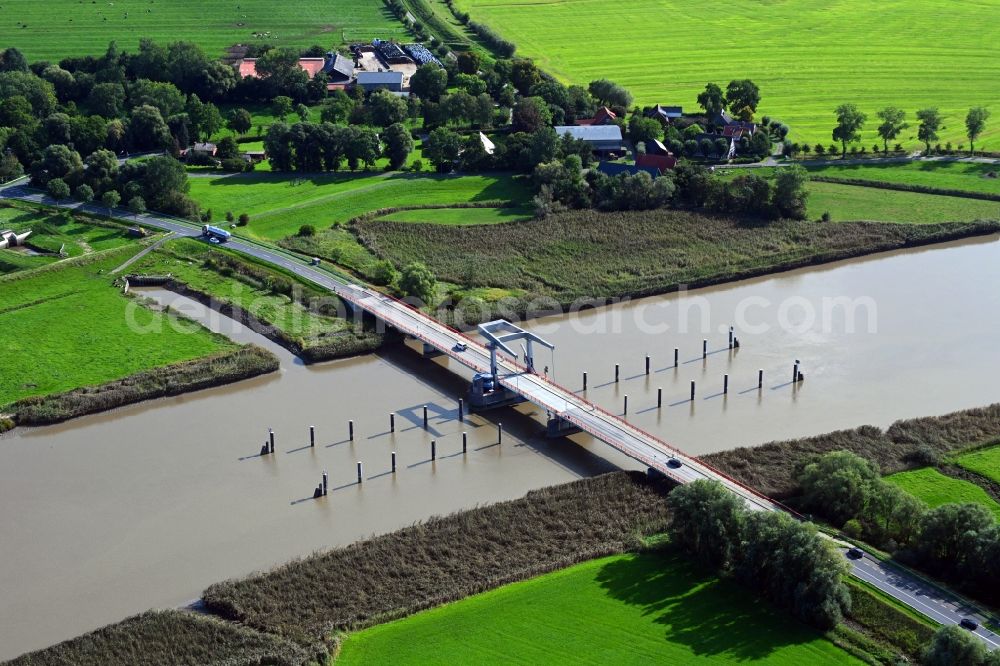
(742, 94)
(524, 74)
(429, 82)
(953, 645)
(417, 281)
(147, 129)
(85, 193)
(307, 230)
(712, 100)
(790, 194)
(837, 485)
(386, 109)
(107, 99)
(16, 112)
(12, 60)
(468, 62)
(610, 93)
(110, 200)
(643, 129)
(39, 92)
(240, 121)
(338, 108)
(398, 144)
(282, 105)
(442, 148)
(930, 123)
(893, 123)
(302, 111)
(58, 189)
(384, 273)
(10, 167)
(164, 96)
(243, 220)
(136, 206)
(849, 123)
(530, 114)
(948, 534)
(975, 123)
(707, 520)
(227, 148)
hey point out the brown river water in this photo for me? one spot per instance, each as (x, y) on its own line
(109, 515)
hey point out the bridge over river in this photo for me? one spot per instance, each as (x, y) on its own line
(921, 595)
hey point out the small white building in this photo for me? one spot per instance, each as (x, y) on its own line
(488, 145)
(10, 239)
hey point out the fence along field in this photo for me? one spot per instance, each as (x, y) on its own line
(806, 56)
(56, 29)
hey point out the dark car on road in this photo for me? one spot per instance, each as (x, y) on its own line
(969, 624)
(855, 553)
(674, 463)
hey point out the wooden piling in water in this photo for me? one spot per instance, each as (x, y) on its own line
(704, 349)
(616, 373)
(270, 437)
(393, 462)
(625, 409)
(425, 417)
(584, 380)
(465, 441)
(730, 337)
(392, 422)
(360, 477)
(499, 433)
(795, 371)
(312, 436)
(324, 482)
(659, 397)
(760, 378)
(692, 389)
(350, 430)
(433, 449)
(676, 355)
(647, 364)
(725, 384)
(461, 408)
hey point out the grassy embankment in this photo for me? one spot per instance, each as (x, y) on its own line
(634, 608)
(853, 202)
(854, 52)
(61, 28)
(591, 254)
(935, 489)
(53, 231)
(66, 326)
(293, 313)
(963, 176)
(984, 462)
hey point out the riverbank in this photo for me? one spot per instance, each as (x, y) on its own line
(589, 255)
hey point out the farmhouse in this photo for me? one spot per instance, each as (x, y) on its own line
(665, 114)
(604, 116)
(10, 239)
(724, 120)
(204, 149)
(602, 138)
(339, 70)
(656, 147)
(312, 66)
(391, 81)
(662, 163)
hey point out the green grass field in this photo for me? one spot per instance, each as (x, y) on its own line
(806, 56)
(985, 462)
(852, 202)
(936, 489)
(66, 326)
(628, 609)
(461, 216)
(59, 28)
(944, 175)
(279, 204)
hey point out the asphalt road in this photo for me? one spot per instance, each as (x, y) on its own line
(923, 597)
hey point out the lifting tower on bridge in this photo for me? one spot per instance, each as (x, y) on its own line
(486, 391)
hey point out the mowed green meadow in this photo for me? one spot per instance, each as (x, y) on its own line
(279, 204)
(985, 462)
(853, 202)
(807, 56)
(625, 609)
(936, 489)
(964, 176)
(54, 29)
(65, 326)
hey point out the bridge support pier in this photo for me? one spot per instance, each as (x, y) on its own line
(560, 427)
(430, 351)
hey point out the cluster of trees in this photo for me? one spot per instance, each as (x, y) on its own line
(770, 552)
(313, 147)
(561, 185)
(741, 98)
(851, 120)
(953, 645)
(957, 542)
(160, 182)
